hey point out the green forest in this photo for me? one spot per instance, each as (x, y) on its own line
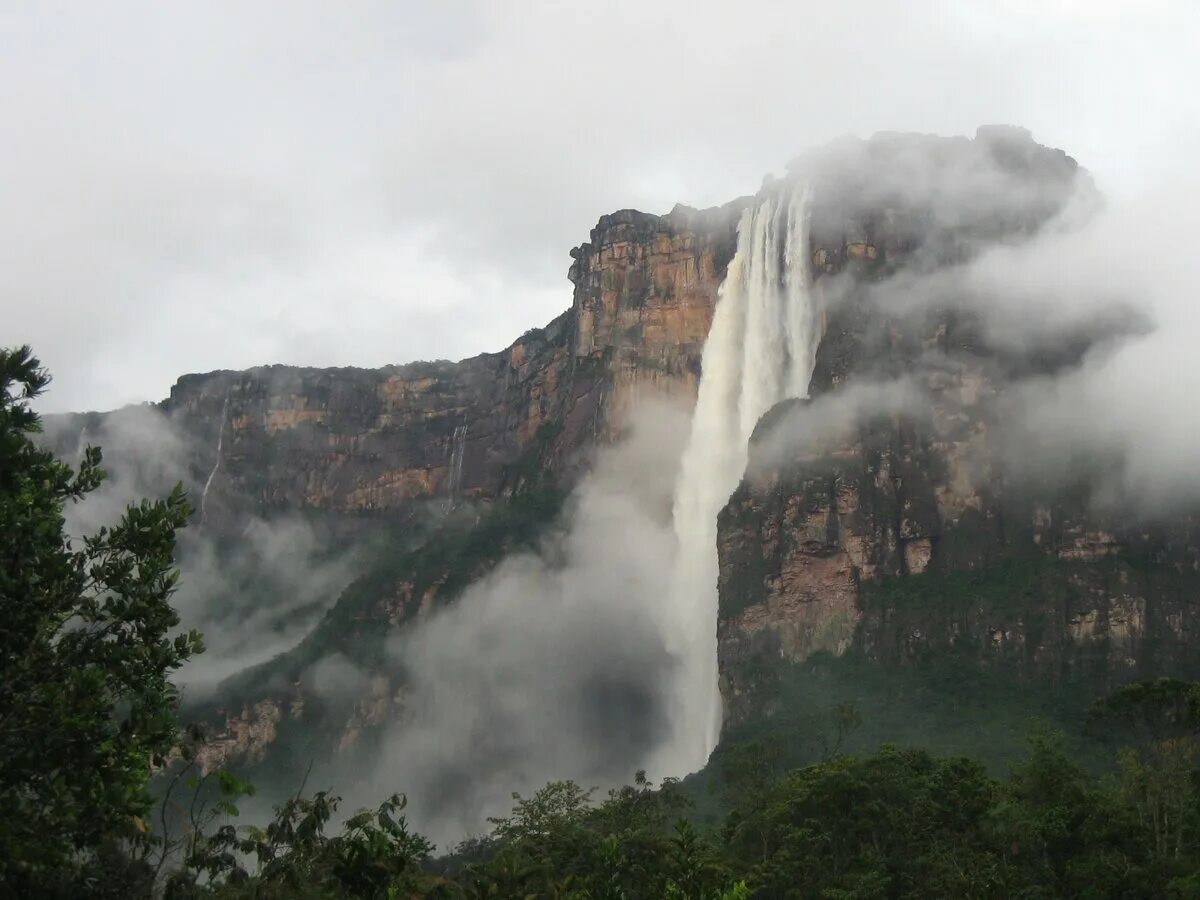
(101, 794)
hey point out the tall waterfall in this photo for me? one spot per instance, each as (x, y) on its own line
(760, 350)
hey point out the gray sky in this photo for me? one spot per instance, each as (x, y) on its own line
(192, 186)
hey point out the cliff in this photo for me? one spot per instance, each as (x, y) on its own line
(425, 474)
(901, 532)
(393, 440)
(891, 519)
(403, 438)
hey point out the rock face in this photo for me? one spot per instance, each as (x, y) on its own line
(903, 537)
(891, 516)
(476, 446)
(397, 439)
(382, 440)
(902, 531)
(645, 290)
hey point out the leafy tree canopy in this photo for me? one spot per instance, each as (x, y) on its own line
(86, 652)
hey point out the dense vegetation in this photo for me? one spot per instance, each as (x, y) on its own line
(87, 707)
(88, 715)
(898, 823)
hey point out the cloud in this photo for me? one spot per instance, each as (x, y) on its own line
(802, 429)
(555, 665)
(252, 592)
(1129, 409)
(200, 189)
(1089, 327)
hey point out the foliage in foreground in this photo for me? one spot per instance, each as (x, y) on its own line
(86, 653)
(897, 824)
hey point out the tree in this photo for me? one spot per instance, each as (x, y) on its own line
(375, 857)
(897, 824)
(86, 655)
(555, 808)
(1057, 828)
(1161, 721)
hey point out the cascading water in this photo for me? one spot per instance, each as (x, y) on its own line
(760, 350)
(458, 446)
(216, 464)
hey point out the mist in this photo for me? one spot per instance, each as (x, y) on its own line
(1123, 280)
(795, 432)
(1109, 286)
(556, 665)
(1132, 400)
(253, 593)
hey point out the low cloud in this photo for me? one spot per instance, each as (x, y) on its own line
(252, 593)
(1090, 328)
(802, 429)
(1126, 282)
(556, 665)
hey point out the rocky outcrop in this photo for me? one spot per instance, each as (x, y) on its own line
(402, 438)
(645, 290)
(246, 738)
(887, 516)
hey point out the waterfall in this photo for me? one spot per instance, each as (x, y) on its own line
(217, 464)
(458, 446)
(760, 350)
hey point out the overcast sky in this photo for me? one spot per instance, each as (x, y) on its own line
(193, 186)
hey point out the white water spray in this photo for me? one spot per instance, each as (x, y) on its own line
(760, 350)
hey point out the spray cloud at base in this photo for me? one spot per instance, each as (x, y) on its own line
(555, 665)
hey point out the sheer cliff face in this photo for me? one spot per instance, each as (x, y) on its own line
(891, 515)
(902, 535)
(396, 439)
(645, 289)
